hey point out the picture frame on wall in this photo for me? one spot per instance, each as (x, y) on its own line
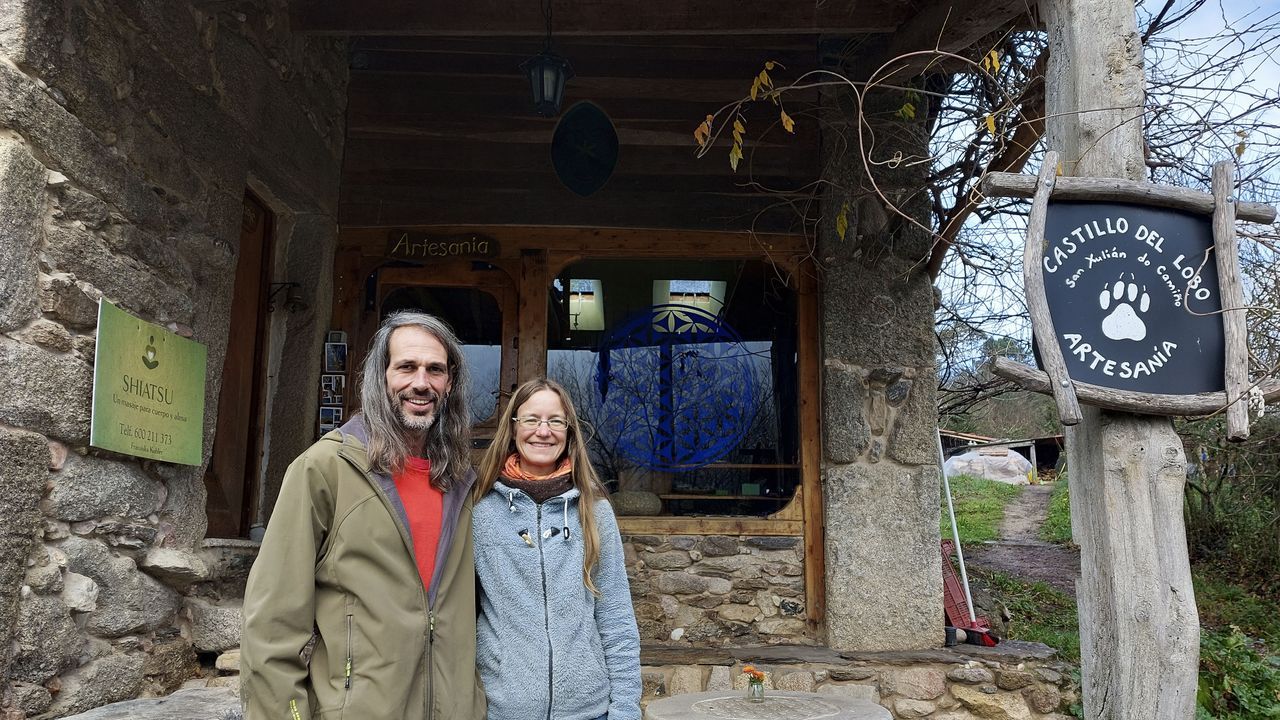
(332, 388)
(330, 418)
(335, 357)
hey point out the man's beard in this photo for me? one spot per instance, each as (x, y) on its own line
(418, 423)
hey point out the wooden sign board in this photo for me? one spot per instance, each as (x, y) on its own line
(1133, 293)
(418, 247)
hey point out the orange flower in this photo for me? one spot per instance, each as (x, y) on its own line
(753, 675)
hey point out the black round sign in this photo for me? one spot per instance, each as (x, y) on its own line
(584, 149)
(1133, 292)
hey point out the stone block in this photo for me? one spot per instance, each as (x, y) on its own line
(90, 487)
(73, 303)
(685, 679)
(773, 543)
(1014, 679)
(22, 480)
(908, 708)
(669, 560)
(852, 673)
(653, 684)
(44, 578)
(103, 681)
(853, 690)
(720, 678)
(228, 661)
(918, 683)
(45, 392)
(800, 681)
(214, 627)
(46, 639)
(170, 664)
(781, 627)
(844, 417)
(1045, 699)
(46, 334)
(915, 424)
(719, 546)
(881, 541)
(635, 502)
(971, 675)
(991, 706)
(80, 593)
(176, 568)
(31, 699)
(738, 613)
(681, 583)
(21, 218)
(202, 702)
(128, 600)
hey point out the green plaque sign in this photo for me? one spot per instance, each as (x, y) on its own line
(148, 390)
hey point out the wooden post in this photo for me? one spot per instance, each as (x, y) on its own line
(1231, 290)
(1139, 631)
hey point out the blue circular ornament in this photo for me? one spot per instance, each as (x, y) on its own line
(676, 387)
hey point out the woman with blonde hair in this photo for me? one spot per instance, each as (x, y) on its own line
(556, 637)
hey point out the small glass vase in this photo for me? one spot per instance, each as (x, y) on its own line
(755, 692)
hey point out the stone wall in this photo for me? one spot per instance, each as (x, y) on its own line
(880, 472)
(129, 133)
(714, 590)
(1019, 681)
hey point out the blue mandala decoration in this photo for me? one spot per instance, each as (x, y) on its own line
(675, 387)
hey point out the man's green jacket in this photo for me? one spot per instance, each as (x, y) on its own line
(337, 563)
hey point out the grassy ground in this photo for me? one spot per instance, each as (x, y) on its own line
(1057, 526)
(979, 507)
(1240, 630)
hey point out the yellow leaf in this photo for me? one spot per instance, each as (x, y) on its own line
(1240, 149)
(738, 126)
(737, 137)
(842, 221)
(995, 60)
(1059, 171)
(907, 111)
(735, 154)
(765, 80)
(703, 133)
(991, 124)
(755, 88)
(769, 65)
(787, 123)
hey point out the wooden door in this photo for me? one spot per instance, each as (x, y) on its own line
(232, 478)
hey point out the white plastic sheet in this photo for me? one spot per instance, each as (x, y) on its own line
(1005, 466)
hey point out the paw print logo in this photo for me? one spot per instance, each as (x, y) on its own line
(1124, 322)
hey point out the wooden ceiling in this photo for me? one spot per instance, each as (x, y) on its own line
(441, 128)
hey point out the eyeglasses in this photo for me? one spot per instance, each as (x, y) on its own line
(528, 422)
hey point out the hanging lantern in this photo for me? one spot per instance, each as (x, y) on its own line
(547, 75)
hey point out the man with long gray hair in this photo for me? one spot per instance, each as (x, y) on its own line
(369, 552)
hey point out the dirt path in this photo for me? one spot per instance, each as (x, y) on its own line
(1021, 552)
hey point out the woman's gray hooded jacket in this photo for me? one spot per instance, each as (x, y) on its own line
(546, 647)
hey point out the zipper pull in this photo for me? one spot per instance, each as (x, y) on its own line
(431, 625)
(347, 682)
(347, 670)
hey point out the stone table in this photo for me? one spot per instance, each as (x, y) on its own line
(777, 705)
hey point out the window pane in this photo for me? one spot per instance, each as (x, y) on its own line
(689, 385)
(476, 318)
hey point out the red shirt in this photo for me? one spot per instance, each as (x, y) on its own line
(424, 505)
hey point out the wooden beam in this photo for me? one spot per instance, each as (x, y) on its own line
(489, 18)
(662, 525)
(569, 240)
(809, 361)
(1095, 189)
(1129, 401)
(1231, 294)
(1064, 396)
(953, 25)
(1139, 631)
(532, 315)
